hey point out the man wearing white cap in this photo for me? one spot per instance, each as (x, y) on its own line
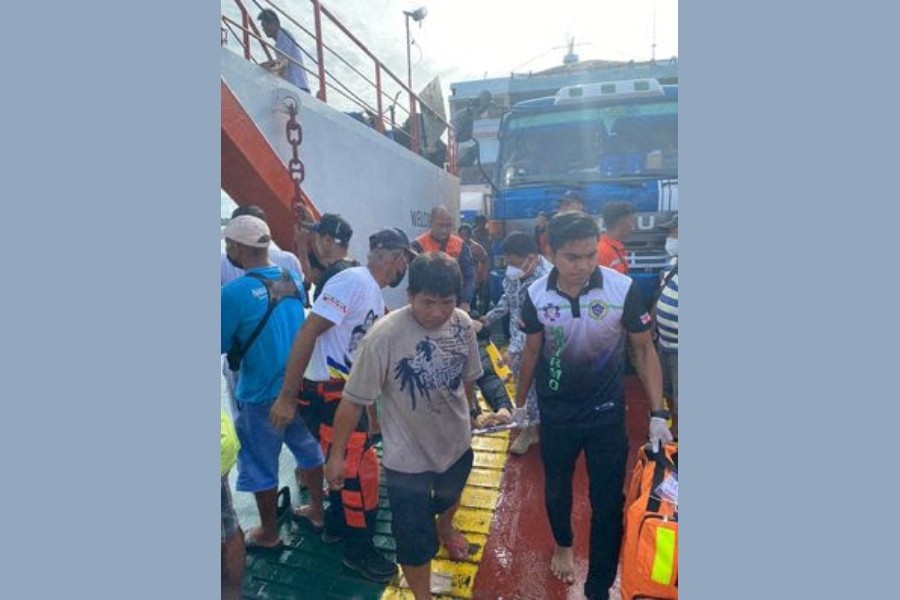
(261, 313)
(229, 272)
(282, 258)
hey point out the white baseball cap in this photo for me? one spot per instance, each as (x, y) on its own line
(249, 231)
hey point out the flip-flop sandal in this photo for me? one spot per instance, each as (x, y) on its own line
(302, 517)
(459, 547)
(251, 544)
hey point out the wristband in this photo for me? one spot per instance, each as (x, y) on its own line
(660, 414)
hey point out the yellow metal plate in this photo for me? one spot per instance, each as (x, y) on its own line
(474, 519)
(478, 539)
(452, 578)
(448, 579)
(396, 593)
(489, 460)
(490, 442)
(489, 478)
(483, 498)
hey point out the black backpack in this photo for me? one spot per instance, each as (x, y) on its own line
(277, 290)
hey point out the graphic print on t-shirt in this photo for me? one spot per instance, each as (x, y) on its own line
(437, 363)
(340, 368)
(358, 332)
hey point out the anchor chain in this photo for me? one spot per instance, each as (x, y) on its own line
(294, 132)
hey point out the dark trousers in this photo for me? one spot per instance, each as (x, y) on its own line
(351, 511)
(606, 451)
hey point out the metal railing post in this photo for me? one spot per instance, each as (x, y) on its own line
(245, 21)
(320, 54)
(413, 124)
(379, 122)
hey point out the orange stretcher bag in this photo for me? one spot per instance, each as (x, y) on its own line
(649, 557)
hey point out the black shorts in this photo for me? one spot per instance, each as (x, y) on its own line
(415, 500)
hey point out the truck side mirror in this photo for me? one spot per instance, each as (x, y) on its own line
(464, 123)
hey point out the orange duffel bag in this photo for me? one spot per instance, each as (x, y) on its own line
(649, 557)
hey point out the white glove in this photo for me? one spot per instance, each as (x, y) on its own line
(659, 432)
(519, 416)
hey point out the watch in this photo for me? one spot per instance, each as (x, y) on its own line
(661, 414)
(474, 411)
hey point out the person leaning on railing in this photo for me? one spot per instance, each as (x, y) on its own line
(289, 62)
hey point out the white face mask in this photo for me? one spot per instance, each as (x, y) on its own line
(514, 272)
(672, 246)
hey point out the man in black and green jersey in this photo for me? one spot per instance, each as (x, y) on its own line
(577, 319)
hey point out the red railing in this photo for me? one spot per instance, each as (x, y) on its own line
(247, 32)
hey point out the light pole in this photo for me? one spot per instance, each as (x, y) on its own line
(417, 16)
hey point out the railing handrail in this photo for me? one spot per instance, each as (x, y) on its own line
(347, 93)
(322, 74)
(248, 18)
(337, 22)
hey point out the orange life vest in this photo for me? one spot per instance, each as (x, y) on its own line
(452, 246)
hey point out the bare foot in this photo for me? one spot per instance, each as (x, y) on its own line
(315, 517)
(563, 564)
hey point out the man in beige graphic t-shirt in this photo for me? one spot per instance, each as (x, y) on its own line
(420, 362)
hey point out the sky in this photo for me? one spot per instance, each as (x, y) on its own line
(462, 40)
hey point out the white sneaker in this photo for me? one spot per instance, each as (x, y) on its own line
(524, 441)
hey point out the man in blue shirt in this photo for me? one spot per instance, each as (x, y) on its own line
(289, 62)
(245, 303)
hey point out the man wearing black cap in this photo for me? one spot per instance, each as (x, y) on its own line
(330, 246)
(317, 369)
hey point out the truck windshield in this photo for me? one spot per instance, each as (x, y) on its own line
(590, 143)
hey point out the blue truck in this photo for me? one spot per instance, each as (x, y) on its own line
(606, 142)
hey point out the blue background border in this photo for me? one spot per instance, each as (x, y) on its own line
(111, 375)
(109, 439)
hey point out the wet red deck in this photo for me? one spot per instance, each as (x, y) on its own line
(517, 556)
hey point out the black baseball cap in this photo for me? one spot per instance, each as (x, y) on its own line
(391, 238)
(334, 226)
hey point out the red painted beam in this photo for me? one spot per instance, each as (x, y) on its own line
(252, 173)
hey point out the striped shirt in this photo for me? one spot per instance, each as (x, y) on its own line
(667, 315)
